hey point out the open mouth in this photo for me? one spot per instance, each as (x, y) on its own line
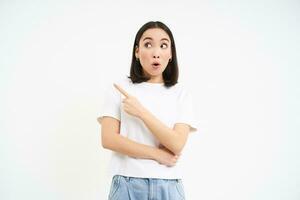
(155, 64)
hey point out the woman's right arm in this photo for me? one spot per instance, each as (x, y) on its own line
(111, 139)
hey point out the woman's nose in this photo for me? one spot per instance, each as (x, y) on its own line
(155, 53)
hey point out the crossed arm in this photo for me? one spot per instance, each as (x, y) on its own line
(111, 139)
(173, 140)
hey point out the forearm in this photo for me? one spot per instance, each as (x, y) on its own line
(131, 148)
(167, 136)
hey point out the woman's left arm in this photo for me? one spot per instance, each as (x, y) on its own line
(173, 139)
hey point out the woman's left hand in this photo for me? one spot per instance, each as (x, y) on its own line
(131, 104)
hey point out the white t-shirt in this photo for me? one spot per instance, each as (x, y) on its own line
(170, 105)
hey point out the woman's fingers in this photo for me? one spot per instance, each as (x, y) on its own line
(126, 94)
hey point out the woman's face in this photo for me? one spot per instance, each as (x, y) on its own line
(154, 52)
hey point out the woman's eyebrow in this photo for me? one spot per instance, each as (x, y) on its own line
(165, 39)
(149, 38)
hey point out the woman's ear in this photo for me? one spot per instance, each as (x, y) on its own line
(136, 51)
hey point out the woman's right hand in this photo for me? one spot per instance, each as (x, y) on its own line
(165, 157)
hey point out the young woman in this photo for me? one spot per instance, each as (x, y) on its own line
(145, 120)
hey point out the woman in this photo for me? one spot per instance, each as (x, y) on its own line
(145, 120)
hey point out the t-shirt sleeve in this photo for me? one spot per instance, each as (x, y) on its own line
(187, 111)
(110, 105)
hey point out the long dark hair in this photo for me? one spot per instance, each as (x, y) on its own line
(170, 74)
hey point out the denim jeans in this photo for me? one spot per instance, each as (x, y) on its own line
(132, 188)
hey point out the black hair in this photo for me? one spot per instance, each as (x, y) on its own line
(171, 72)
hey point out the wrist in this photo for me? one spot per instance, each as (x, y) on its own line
(143, 112)
(153, 153)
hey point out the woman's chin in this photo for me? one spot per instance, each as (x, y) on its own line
(153, 73)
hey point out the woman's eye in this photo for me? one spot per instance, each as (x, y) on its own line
(147, 44)
(164, 46)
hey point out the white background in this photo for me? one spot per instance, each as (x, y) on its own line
(241, 58)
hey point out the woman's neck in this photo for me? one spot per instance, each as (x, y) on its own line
(156, 80)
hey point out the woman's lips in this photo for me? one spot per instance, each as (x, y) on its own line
(155, 66)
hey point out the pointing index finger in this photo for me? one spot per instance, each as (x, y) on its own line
(121, 90)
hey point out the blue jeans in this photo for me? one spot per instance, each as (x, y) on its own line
(132, 188)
